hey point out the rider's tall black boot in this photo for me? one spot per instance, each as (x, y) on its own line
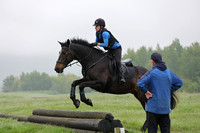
(121, 76)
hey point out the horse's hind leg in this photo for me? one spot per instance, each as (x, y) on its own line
(87, 84)
(141, 97)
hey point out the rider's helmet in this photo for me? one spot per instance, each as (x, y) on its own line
(99, 22)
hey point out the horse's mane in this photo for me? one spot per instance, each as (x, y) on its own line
(83, 43)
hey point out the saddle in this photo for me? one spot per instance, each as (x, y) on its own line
(127, 68)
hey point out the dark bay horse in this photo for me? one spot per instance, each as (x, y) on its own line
(96, 72)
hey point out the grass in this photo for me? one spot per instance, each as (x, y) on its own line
(184, 119)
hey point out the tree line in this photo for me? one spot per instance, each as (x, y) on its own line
(36, 81)
(183, 61)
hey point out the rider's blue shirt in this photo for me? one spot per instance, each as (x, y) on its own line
(106, 37)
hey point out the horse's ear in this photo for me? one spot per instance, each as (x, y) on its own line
(65, 43)
(68, 42)
(61, 43)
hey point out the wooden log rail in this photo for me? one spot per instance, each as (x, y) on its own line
(73, 114)
(91, 121)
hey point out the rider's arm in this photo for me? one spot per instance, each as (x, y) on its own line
(106, 37)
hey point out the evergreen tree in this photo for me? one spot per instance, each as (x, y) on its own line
(172, 56)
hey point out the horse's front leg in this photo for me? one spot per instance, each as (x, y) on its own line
(91, 84)
(73, 90)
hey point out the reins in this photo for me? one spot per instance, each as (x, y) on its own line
(71, 64)
(80, 59)
(95, 63)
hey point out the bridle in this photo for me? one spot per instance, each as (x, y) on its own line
(80, 60)
(73, 57)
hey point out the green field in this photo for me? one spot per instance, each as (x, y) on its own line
(184, 119)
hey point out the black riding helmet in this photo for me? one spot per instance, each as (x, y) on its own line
(99, 22)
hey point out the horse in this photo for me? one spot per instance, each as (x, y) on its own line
(97, 71)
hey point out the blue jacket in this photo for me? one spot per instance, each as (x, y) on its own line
(160, 81)
(106, 37)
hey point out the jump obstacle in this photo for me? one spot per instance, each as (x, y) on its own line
(84, 120)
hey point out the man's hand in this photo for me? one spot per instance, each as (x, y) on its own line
(148, 94)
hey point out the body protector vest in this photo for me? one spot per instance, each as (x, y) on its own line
(111, 40)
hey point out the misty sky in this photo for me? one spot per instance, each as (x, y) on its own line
(33, 27)
(30, 29)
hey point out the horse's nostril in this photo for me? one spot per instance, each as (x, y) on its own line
(56, 69)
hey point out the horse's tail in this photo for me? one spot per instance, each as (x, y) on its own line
(174, 100)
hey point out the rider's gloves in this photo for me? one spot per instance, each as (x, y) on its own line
(94, 44)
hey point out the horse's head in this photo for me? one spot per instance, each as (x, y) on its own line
(66, 56)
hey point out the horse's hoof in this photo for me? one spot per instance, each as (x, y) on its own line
(89, 102)
(77, 103)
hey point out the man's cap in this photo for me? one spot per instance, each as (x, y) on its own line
(156, 57)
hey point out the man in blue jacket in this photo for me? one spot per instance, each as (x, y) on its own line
(158, 84)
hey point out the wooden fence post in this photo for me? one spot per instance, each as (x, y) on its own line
(119, 130)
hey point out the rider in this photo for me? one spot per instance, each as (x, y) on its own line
(105, 39)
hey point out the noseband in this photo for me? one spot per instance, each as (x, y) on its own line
(74, 57)
(65, 59)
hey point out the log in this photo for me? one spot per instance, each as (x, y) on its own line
(86, 124)
(19, 118)
(73, 114)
